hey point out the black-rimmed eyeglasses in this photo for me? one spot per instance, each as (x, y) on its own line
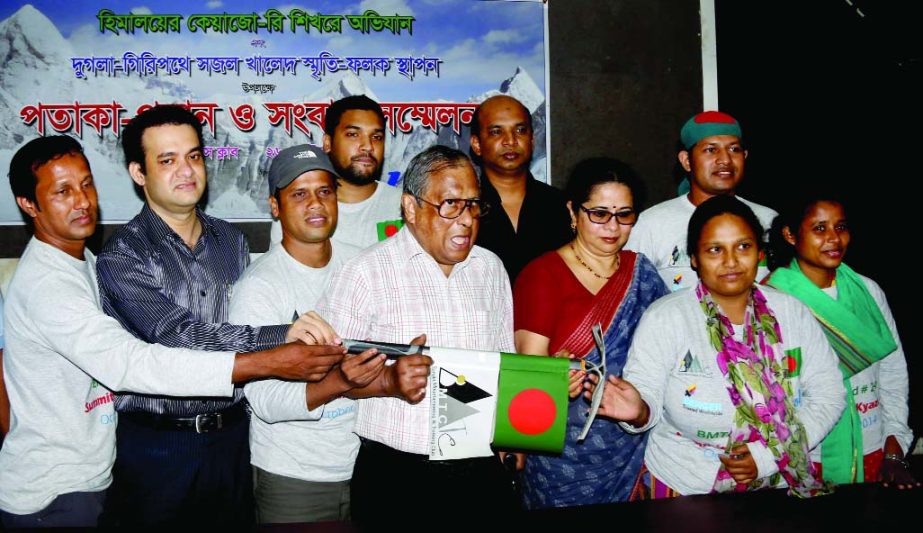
(598, 215)
(452, 208)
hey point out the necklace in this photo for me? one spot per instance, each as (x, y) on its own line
(579, 260)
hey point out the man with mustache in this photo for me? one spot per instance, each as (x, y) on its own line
(166, 276)
(354, 139)
(713, 156)
(428, 279)
(64, 356)
(301, 439)
(528, 217)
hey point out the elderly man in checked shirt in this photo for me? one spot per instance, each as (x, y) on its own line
(166, 276)
(429, 279)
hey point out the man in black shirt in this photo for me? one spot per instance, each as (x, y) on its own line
(527, 217)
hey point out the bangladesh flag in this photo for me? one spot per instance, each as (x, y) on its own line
(531, 403)
(388, 228)
(793, 362)
(514, 401)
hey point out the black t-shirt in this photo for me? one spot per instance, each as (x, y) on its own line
(544, 224)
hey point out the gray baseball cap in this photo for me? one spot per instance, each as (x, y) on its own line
(295, 161)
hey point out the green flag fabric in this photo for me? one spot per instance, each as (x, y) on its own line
(531, 403)
(388, 228)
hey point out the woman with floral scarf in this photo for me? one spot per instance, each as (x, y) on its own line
(735, 382)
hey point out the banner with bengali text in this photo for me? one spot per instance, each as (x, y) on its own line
(260, 77)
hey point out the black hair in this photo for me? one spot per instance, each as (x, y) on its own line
(358, 102)
(716, 206)
(589, 173)
(156, 116)
(780, 252)
(33, 155)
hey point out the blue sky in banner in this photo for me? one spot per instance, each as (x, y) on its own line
(478, 42)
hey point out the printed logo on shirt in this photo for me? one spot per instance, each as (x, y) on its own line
(690, 365)
(388, 228)
(865, 407)
(708, 408)
(690, 390)
(102, 400)
(868, 387)
(711, 435)
(339, 411)
(306, 154)
(793, 362)
(676, 255)
(677, 282)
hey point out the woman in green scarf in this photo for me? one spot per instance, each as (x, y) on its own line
(808, 242)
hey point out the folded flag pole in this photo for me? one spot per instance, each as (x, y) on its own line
(480, 398)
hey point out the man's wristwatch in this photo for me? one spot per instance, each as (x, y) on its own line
(899, 458)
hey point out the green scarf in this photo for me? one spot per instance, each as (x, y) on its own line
(859, 335)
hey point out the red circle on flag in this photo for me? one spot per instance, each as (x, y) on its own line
(390, 230)
(532, 411)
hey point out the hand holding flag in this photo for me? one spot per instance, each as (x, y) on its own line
(359, 370)
(477, 398)
(408, 376)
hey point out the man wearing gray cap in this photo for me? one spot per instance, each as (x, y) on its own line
(301, 440)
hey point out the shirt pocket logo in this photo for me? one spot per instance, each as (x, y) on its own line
(690, 365)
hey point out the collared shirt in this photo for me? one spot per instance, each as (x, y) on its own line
(544, 225)
(164, 292)
(393, 292)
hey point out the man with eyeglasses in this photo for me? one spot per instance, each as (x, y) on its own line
(713, 156)
(529, 217)
(431, 282)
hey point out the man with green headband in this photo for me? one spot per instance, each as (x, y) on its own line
(713, 157)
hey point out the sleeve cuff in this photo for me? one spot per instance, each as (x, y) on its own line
(270, 336)
(765, 461)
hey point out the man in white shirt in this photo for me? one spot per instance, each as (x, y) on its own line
(291, 418)
(428, 279)
(64, 356)
(354, 138)
(714, 157)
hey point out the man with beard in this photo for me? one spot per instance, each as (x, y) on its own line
(714, 157)
(354, 138)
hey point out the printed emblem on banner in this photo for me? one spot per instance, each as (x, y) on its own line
(463, 400)
(459, 395)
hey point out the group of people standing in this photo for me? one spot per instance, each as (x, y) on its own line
(715, 381)
(739, 379)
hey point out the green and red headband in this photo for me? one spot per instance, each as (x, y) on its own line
(707, 124)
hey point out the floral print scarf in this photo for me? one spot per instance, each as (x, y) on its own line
(761, 396)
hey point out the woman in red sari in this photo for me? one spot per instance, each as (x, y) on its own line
(557, 298)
